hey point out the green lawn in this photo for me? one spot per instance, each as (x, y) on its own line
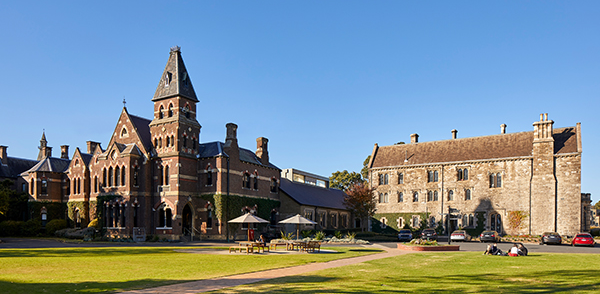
(457, 272)
(94, 270)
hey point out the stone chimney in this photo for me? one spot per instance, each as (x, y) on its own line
(262, 151)
(414, 138)
(64, 151)
(454, 132)
(91, 146)
(3, 155)
(542, 130)
(503, 129)
(231, 144)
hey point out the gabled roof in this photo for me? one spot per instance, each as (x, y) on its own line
(15, 166)
(213, 149)
(175, 80)
(142, 127)
(50, 164)
(311, 195)
(84, 156)
(475, 148)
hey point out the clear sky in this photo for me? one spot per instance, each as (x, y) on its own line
(323, 80)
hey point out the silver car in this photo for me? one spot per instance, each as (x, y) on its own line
(460, 235)
(404, 235)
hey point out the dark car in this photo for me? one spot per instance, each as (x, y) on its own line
(404, 235)
(551, 238)
(489, 236)
(584, 239)
(429, 234)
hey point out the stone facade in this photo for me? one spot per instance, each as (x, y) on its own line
(520, 183)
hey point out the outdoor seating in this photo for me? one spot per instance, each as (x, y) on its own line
(273, 245)
(311, 246)
(248, 246)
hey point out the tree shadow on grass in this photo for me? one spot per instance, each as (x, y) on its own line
(81, 252)
(85, 287)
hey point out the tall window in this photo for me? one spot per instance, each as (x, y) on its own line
(255, 184)
(209, 177)
(170, 110)
(167, 175)
(168, 141)
(400, 197)
(435, 175)
(400, 178)
(184, 141)
(383, 179)
(110, 176)
(95, 184)
(123, 176)
(161, 175)
(78, 186)
(462, 174)
(323, 219)
(246, 181)
(416, 197)
(160, 112)
(165, 217)
(104, 180)
(466, 174)
(468, 194)
(496, 180)
(135, 176)
(117, 176)
(429, 176)
(450, 195)
(429, 196)
(435, 195)
(273, 187)
(493, 222)
(31, 187)
(383, 198)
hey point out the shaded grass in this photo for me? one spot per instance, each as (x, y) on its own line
(456, 272)
(95, 270)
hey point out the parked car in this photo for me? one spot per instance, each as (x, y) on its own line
(404, 235)
(584, 239)
(429, 234)
(460, 235)
(489, 236)
(551, 238)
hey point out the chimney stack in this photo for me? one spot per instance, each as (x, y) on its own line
(262, 150)
(64, 151)
(231, 143)
(454, 132)
(414, 138)
(3, 155)
(91, 146)
(503, 129)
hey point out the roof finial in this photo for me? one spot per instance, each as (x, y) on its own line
(175, 49)
(124, 102)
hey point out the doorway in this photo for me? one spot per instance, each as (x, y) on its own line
(187, 220)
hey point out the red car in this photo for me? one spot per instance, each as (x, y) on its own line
(584, 239)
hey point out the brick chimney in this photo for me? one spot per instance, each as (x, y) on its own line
(454, 132)
(503, 129)
(414, 138)
(64, 151)
(91, 146)
(3, 155)
(231, 143)
(262, 151)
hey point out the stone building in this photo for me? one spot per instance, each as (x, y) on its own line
(310, 196)
(154, 177)
(517, 183)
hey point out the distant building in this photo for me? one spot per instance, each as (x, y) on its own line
(517, 183)
(310, 196)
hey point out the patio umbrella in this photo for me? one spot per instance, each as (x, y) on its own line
(298, 220)
(248, 218)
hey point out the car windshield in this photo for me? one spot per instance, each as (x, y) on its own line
(551, 234)
(583, 236)
(458, 232)
(404, 231)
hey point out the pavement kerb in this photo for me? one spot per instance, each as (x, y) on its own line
(248, 278)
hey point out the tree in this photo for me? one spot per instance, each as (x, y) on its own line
(5, 193)
(360, 202)
(364, 172)
(597, 205)
(343, 180)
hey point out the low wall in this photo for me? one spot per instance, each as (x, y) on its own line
(429, 248)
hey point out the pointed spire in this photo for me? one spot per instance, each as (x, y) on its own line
(43, 141)
(45, 151)
(175, 80)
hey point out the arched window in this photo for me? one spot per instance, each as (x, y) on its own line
(167, 175)
(78, 186)
(209, 176)
(400, 178)
(184, 141)
(459, 175)
(160, 142)
(435, 176)
(104, 179)
(95, 184)
(468, 194)
(400, 197)
(498, 224)
(170, 110)
(124, 133)
(386, 179)
(273, 187)
(466, 174)
(155, 143)
(471, 220)
(135, 176)
(492, 181)
(31, 187)
(110, 176)
(160, 112)
(165, 216)
(246, 181)
(44, 186)
(255, 182)
(123, 176)
(435, 195)
(161, 175)
(429, 176)
(380, 197)
(416, 197)
(168, 141)
(117, 176)
(429, 196)
(450, 195)
(187, 107)
(498, 180)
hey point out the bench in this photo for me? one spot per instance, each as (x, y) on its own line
(311, 246)
(273, 245)
(240, 247)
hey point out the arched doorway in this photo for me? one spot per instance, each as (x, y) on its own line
(187, 220)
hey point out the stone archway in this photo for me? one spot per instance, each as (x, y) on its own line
(187, 220)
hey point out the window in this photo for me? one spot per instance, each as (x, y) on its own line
(117, 176)
(383, 179)
(209, 178)
(273, 186)
(344, 220)
(31, 187)
(435, 195)
(415, 221)
(168, 141)
(246, 181)
(110, 177)
(468, 194)
(383, 221)
(400, 197)
(471, 220)
(429, 176)
(44, 186)
(400, 221)
(95, 184)
(184, 141)
(104, 180)
(160, 112)
(170, 113)
(493, 222)
(450, 195)
(165, 217)
(466, 174)
(429, 196)
(124, 133)
(123, 176)
(155, 143)
(435, 176)
(432, 222)
(459, 175)
(400, 178)
(462, 174)
(78, 186)
(135, 176)
(496, 180)
(334, 220)
(383, 198)
(323, 219)
(167, 175)
(209, 212)
(308, 214)
(255, 183)
(161, 175)
(416, 197)
(160, 142)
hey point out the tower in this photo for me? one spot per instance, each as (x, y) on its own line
(175, 133)
(45, 151)
(543, 180)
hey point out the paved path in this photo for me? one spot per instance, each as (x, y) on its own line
(236, 280)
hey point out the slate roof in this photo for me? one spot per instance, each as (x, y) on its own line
(310, 195)
(142, 126)
(50, 164)
(475, 148)
(179, 84)
(86, 157)
(213, 149)
(15, 166)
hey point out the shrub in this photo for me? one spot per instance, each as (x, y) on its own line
(595, 231)
(351, 236)
(319, 235)
(288, 236)
(11, 228)
(94, 224)
(55, 225)
(306, 234)
(338, 234)
(31, 227)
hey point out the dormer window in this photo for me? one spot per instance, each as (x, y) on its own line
(167, 78)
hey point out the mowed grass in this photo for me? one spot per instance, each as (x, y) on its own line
(457, 272)
(94, 270)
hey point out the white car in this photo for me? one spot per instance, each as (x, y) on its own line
(460, 235)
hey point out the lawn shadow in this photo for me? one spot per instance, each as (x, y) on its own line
(84, 287)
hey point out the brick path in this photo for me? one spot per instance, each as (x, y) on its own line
(236, 280)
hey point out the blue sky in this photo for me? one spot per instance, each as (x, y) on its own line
(323, 80)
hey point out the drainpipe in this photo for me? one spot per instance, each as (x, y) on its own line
(530, 183)
(227, 204)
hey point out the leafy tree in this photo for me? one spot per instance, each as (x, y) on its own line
(359, 201)
(364, 172)
(597, 205)
(5, 193)
(343, 180)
